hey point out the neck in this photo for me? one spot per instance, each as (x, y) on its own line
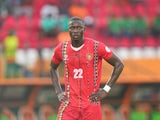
(77, 43)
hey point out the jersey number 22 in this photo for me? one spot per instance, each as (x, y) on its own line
(78, 73)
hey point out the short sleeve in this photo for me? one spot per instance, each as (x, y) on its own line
(57, 54)
(104, 51)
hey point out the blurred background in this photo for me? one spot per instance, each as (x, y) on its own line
(31, 29)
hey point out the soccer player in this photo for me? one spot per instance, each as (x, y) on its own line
(82, 59)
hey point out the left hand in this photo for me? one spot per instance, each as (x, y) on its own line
(62, 97)
(98, 95)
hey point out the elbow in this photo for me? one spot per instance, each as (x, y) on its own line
(120, 65)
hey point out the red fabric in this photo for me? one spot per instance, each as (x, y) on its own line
(91, 112)
(81, 69)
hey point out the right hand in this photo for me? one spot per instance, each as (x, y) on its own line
(62, 97)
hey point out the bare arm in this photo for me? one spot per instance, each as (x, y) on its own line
(55, 79)
(118, 67)
(56, 83)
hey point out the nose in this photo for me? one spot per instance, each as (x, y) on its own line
(75, 30)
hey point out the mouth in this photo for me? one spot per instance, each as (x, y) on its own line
(76, 35)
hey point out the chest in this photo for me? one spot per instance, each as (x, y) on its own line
(81, 57)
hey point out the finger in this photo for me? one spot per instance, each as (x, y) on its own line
(61, 98)
(64, 98)
(94, 99)
(92, 95)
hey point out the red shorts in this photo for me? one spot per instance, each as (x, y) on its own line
(67, 112)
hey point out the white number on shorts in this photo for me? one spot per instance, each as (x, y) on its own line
(78, 73)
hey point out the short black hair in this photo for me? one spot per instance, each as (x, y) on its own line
(76, 18)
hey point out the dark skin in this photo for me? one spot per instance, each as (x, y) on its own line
(76, 31)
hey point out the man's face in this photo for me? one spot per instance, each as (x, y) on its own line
(76, 29)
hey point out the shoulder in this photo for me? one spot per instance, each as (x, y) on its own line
(90, 40)
(93, 41)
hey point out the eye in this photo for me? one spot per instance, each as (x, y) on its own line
(71, 28)
(75, 27)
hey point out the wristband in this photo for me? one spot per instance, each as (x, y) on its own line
(107, 88)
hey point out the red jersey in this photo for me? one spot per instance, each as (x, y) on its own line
(82, 69)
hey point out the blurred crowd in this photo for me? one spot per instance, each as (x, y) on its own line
(30, 29)
(143, 111)
(45, 112)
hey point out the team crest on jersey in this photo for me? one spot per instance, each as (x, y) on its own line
(89, 56)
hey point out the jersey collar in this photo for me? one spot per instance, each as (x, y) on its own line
(76, 48)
